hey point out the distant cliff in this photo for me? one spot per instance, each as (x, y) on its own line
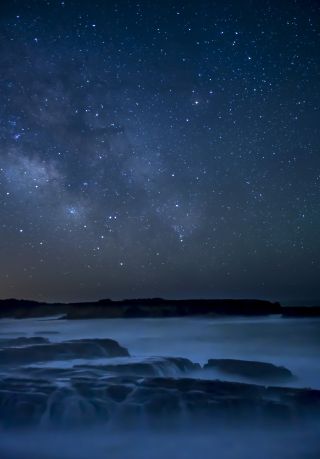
(151, 307)
(146, 307)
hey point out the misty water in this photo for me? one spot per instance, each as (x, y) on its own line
(155, 343)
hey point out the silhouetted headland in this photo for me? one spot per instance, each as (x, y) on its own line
(152, 307)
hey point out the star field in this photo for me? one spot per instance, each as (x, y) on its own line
(159, 149)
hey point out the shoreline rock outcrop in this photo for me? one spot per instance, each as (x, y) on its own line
(255, 370)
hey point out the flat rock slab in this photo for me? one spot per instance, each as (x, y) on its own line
(65, 350)
(250, 369)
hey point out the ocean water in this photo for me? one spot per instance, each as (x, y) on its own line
(292, 343)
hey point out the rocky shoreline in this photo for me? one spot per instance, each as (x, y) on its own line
(35, 389)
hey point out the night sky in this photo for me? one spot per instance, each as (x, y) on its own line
(159, 148)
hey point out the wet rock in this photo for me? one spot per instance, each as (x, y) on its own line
(76, 349)
(119, 392)
(22, 401)
(165, 366)
(183, 364)
(21, 409)
(132, 399)
(66, 407)
(250, 369)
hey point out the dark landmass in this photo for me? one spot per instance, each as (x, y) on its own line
(301, 311)
(151, 307)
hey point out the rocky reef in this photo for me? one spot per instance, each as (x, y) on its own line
(130, 399)
(113, 388)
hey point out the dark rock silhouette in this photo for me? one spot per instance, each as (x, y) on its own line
(301, 311)
(145, 307)
(152, 307)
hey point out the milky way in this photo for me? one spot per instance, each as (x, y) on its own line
(159, 149)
